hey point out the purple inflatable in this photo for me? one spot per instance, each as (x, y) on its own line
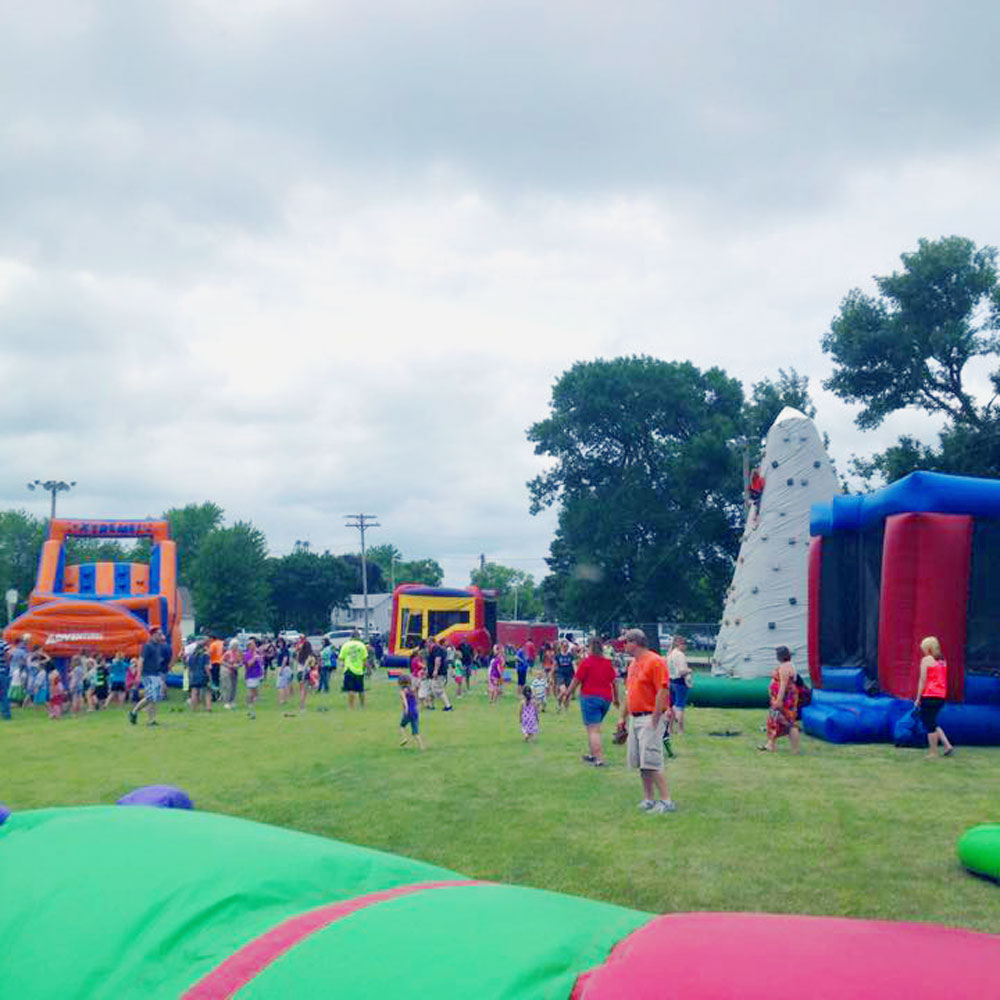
(160, 796)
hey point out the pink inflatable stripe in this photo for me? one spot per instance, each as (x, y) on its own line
(255, 956)
(764, 956)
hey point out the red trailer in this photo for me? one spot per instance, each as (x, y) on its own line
(516, 634)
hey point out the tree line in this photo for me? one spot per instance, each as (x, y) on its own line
(233, 580)
(648, 455)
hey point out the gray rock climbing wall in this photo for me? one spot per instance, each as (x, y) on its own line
(767, 601)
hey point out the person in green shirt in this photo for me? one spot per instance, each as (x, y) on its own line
(354, 658)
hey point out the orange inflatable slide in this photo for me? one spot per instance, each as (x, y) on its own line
(103, 606)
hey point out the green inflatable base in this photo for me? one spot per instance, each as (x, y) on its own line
(725, 692)
(979, 850)
(136, 902)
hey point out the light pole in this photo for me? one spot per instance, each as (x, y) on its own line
(53, 486)
(361, 522)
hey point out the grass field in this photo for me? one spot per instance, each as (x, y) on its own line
(866, 831)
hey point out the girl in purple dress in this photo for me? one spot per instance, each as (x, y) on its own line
(496, 674)
(253, 674)
(529, 714)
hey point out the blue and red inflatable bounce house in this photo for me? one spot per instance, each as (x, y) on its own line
(920, 557)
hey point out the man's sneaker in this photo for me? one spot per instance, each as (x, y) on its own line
(132, 716)
(664, 806)
(646, 805)
(449, 708)
(588, 758)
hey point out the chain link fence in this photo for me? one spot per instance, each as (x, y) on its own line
(701, 636)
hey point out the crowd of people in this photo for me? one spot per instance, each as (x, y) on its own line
(651, 708)
(91, 681)
(558, 674)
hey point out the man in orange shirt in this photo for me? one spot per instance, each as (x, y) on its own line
(216, 648)
(646, 705)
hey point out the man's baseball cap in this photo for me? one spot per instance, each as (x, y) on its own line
(634, 635)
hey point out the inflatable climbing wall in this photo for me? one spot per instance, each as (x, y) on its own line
(766, 604)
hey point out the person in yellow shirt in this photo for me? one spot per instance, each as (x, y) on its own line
(354, 659)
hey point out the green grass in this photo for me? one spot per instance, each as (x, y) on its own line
(863, 831)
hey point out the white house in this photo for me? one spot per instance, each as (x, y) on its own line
(353, 616)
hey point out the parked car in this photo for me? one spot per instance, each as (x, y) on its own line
(291, 636)
(703, 641)
(339, 636)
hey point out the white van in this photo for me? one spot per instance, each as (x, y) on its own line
(339, 636)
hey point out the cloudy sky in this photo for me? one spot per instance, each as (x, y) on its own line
(310, 258)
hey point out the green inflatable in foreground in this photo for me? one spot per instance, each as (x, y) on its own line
(122, 902)
(979, 850)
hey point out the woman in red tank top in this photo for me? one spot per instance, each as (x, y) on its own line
(931, 691)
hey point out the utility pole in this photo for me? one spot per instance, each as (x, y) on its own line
(53, 486)
(362, 522)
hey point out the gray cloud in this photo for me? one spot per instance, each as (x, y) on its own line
(303, 259)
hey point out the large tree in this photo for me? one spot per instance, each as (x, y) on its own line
(232, 587)
(768, 398)
(21, 537)
(189, 527)
(910, 346)
(305, 587)
(394, 567)
(425, 571)
(377, 583)
(517, 596)
(647, 477)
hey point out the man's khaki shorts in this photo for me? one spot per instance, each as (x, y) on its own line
(645, 742)
(437, 685)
